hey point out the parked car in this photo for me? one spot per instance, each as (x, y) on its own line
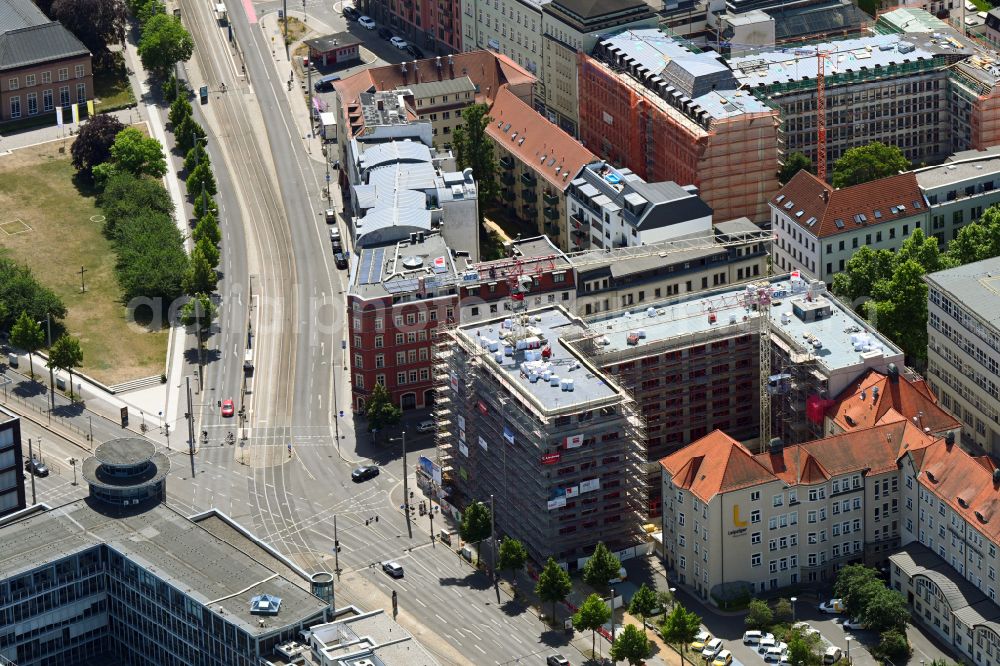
(854, 624)
(415, 52)
(805, 629)
(774, 654)
(399, 43)
(832, 655)
(325, 84)
(337, 247)
(426, 426)
(36, 467)
(394, 569)
(766, 643)
(340, 260)
(331, 217)
(753, 637)
(364, 473)
(711, 649)
(351, 14)
(366, 22)
(724, 658)
(832, 606)
(700, 639)
(385, 33)
(557, 660)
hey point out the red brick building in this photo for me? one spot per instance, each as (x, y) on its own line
(433, 26)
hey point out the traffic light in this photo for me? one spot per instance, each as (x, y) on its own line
(124, 417)
(336, 546)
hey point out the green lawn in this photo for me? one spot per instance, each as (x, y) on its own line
(111, 87)
(46, 223)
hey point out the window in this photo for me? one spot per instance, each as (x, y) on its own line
(46, 77)
(755, 560)
(755, 538)
(400, 378)
(80, 71)
(755, 496)
(32, 103)
(12, 83)
(47, 104)
(359, 381)
(29, 80)
(81, 93)
(755, 516)
(778, 500)
(379, 340)
(64, 96)
(379, 360)
(63, 73)
(399, 338)
(680, 519)
(15, 106)
(379, 324)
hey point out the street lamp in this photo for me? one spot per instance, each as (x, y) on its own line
(848, 639)
(793, 600)
(612, 588)
(673, 597)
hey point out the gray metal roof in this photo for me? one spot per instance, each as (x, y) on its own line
(392, 152)
(916, 559)
(215, 573)
(976, 286)
(31, 45)
(436, 88)
(16, 14)
(420, 176)
(968, 165)
(330, 42)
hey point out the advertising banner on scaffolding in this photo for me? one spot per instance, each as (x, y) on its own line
(574, 441)
(572, 492)
(557, 498)
(463, 449)
(482, 443)
(508, 434)
(590, 485)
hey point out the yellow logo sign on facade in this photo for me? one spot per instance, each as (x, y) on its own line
(736, 517)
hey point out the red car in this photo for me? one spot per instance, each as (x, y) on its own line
(227, 407)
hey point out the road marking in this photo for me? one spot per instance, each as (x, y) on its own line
(478, 609)
(440, 618)
(480, 649)
(420, 602)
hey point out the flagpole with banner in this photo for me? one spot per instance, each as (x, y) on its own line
(90, 108)
(59, 118)
(76, 113)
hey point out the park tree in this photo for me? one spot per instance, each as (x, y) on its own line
(851, 577)
(474, 149)
(199, 313)
(476, 524)
(380, 411)
(151, 261)
(925, 250)
(134, 153)
(96, 23)
(164, 43)
(127, 197)
(201, 180)
(865, 267)
(92, 145)
(899, 309)
(885, 610)
(21, 292)
(512, 556)
(978, 240)
(631, 645)
(144, 10)
(644, 603)
(680, 627)
(601, 567)
(66, 354)
(187, 133)
(553, 585)
(796, 162)
(802, 650)
(783, 610)
(591, 616)
(27, 334)
(180, 109)
(207, 229)
(197, 155)
(893, 646)
(867, 163)
(759, 615)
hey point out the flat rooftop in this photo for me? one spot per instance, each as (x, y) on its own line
(397, 268)
(960, 167)
(374, 636)
(167, 544)
(548, 326)
(975, 286)
(6, 416)
(844, 56)
(692, 317)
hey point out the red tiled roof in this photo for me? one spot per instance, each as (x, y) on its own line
(865, 404)
(893, 198)
(715, 464)
(964, 483)
(545, 148)
(489, 72)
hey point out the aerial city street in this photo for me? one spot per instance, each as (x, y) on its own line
(409, 332)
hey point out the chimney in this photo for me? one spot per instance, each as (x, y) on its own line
(893, 373)
(826, 195)
(996, 478)
(949, 441)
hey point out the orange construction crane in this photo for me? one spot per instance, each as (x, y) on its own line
(820, 115)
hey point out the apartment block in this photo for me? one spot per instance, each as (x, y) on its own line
(433, 26)
(120, 577)
(12, 457)
(736, 522)
(537, 163)
(510, 27)
(958, 191)
(963, 350)
(612, 207)
(615, 279)
(527, 421)
(693, 363)
(658, 106)
(818, 228)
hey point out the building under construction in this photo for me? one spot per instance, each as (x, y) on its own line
(525, 420)
(693, 364)
(657, 105)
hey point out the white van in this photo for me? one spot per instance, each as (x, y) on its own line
(712, 648)
(753, 637)
(832, 655)
(766, 643)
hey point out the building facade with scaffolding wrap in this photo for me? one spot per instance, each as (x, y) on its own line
(667, 111)
(525, 419)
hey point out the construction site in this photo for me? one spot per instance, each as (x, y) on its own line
(668, 111)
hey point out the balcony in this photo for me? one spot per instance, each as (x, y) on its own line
(551, 213)
(507, 178)
(507, 162)
(551, 228)
(529, 211)
(550, 199)
(529, 179)
(529, 195)
(508, 194)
